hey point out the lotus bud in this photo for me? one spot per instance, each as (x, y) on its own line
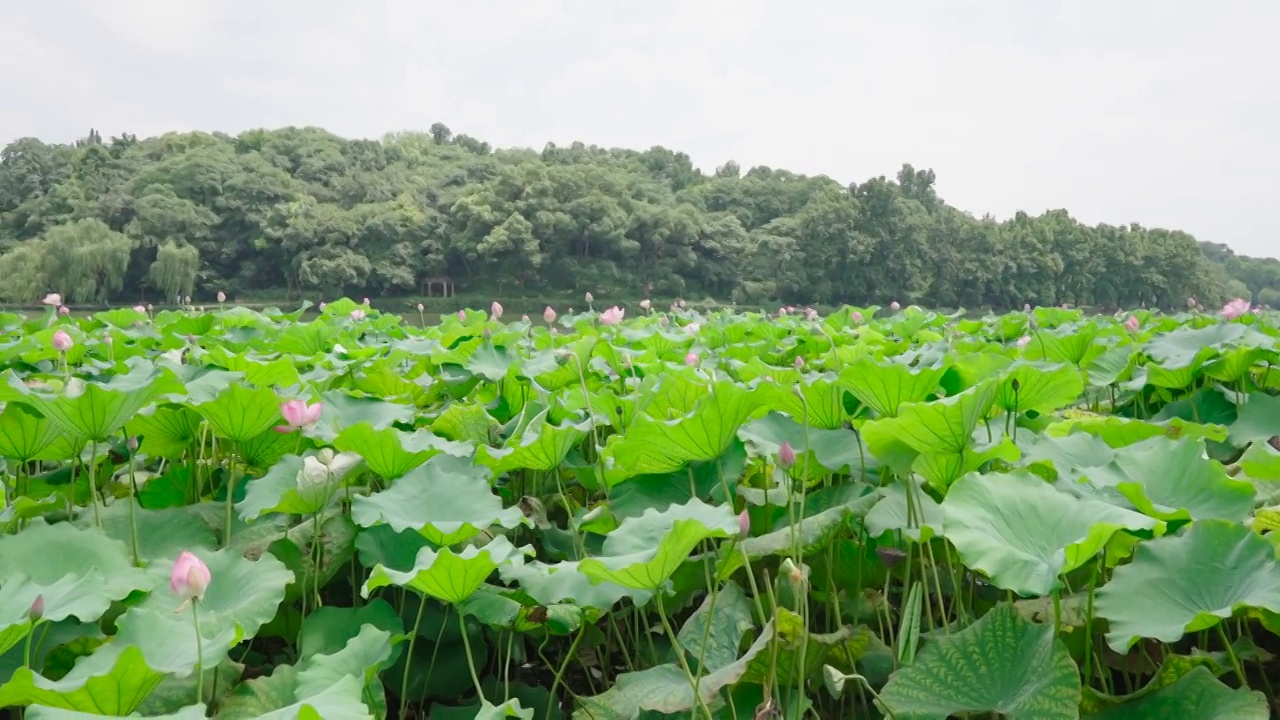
(549, 315)
(782, 311)
(857, 316)
(799, 362)
(645, 304)
(107, 339)
(149, 308)
(524, 318)
(894, 306)
(793, 573)
(1026, 307)
(680, 304)
(1132, 324)
(1024, 341)
(365, 302)
(496, 310)
(462, 315)
(222, 297)
(189, 579)
(421, 307)
(186, 300)
(691, 359)
(132, 444)
(62, 342)
(589, 297)
(64, 310)
(36, 611)
(786, 455)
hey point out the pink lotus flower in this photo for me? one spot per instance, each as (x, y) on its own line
(1024, 341)
(857, 316)
(524, 318)
(298, 414)
(894, 306)
(64, 310)
(549, 315)
(462, 315)
(1235, 308)
(810, 314)
(53, 299)
(612, 316)
(799, 362)
(1132, 324)
(744, 524)
(782, 311)
(691, 359)
(189, 579)
(140, 308)
(645, 304)
(62, 342)
(222, 297)
(36, 611)
(357, 314)
(496, 310)
(786, 455)
(692, 328)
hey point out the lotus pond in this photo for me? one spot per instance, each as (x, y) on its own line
(239, 514)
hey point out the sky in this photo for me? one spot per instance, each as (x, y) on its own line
(1161, 113)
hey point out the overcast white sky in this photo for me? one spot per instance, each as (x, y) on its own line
(1159, 112)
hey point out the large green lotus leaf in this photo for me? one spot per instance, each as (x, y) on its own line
(116, 687)
(644, 551)
(342, 410)
(275, 698)
(1257, 419)
(714, 632)
(1040, 388)
(1002, 663)
(80, 572)
(1172, 479)
(241, 412)
(1120, 431)
(813, 533)
(1186, 346)
(447, 499)
(328, 629)
(97, 410)
(1261, 462)
(918, 520)
(817, 401)
(1024, 534)
(167, 432)
(243, 595)
(306, 339)
(801, 653)
(941, 469)
(887, 386)
(390, 453)
(1075, 344)
(555, 583)
(465, 422)
(1189, 582)
(1063, 457)
(24, 433)
(537, 445)
(265, 449)
(1198, 695)
(40, 712)
(1106, 368)
(280, 372)
(654, 445)
(200, 384)
(162, 534)
(943, 426)
(834, 451)
(445, 575)
(300, 485)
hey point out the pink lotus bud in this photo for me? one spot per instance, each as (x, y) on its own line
(496, 310)
(1026, 307)
(108, 339)
(612, 316)
(62, 342)
(52, 299)
(365, 302)
(1132, 324)
(691, 359)
(462, 315)
(782, 311)
(421, 307)
(857, 316)
(298, 414)
(524, 318)
(357, 314)
(1023, 341)
(222, 297)
(894, 306)
(549, 315)
(64, 310)
(589, 297)
(799, 362)
(786, 455)
(1191, 302)
(645, 304)
(189, 579)
(132, 443)
(36, 611)
(744, 524)
(692, 328)
(810, 314)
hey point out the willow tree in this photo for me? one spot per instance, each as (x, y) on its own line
(86, 260)
(174, 270)
(22, 276)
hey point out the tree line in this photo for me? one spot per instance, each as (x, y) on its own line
(308, 214)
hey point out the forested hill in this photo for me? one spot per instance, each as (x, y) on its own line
(314, 215)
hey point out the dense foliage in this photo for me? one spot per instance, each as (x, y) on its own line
(872, 514)
(304, 213)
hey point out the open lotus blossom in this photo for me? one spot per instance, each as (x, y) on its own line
(496, 310)
(357, 314)
(1235, 308)
(645, 304)
(1024, 340)
(786, 455)
(62, 342)
(140, 308)
(691, 359)
(692, 328)
(744, 524)
(895, 306)
(549, 315)
(222, 297)
(810, 314)
(612, 316)
(1132, 324)
(53, 299)
(64, 310)
(298, 414)
(189, 579)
